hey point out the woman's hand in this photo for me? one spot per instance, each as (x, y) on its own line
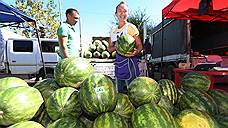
(133, 53)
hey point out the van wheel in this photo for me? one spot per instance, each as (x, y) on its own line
(49, 74)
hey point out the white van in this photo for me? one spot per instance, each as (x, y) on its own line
(22, 57)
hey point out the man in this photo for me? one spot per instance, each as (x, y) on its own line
(69, 46)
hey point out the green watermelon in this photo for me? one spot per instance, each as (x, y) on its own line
(192, 118)
(124, 44)
(152, 116)
(124, 107)
(169, 89)
(105, 55)
(9, 82)
(97, 94)
(221, 99)
(72, 71)
(200, 100)
(67, 122)
(88, 54)
(222, 120)
(105, 43)
(19, 104)
(97, 42)
(96, 54)
(109, 120)
(144, 90)
(27, 124)
(92, 48)
(196, 80)
(166, 103)
(101, 48)
(46, 87)
(63, 102)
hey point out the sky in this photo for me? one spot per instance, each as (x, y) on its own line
(97, 15)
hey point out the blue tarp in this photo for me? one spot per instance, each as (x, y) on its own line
(9, 14)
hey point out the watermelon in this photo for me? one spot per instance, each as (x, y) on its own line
(96, 54)
(196, 80)
(46, 87)
(88, 54)
(101, 48)
(144, 90)
(124, 44)
(192, 118)
(222, 121)
(97, 42)
(109, 120)
(63, 103)
(124, 107)
(166, 103)
(97, 94)
(169, 89)
(27, 124)
(72, 71)
(92, 47)
(105, 43)
(152, 116)
(221, 99)
(67, 122)
(200, 100)
(105, 55)
(9, 82)
(19, 104)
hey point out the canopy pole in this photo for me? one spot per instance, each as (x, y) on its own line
(41, 53)
(162, 35)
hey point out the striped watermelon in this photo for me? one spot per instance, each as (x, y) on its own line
(72, 71)
(192, 118)
(144, 90)
(46, 87)
(19, 104)
(196, 80)
(63, 103)
(9, 82)
(152, 116)
(169, 89)
(221, 99)
(97, 94)
(124, 44)
(166, 103)
(124, 106)
(222, 120)
(110, 120)
(200, 100)
(67, 122)
(27, 124)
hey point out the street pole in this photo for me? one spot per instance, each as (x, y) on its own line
(60, 11)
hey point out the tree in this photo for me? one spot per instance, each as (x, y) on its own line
(45, 15)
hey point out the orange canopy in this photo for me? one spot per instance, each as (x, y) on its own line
(189, 10)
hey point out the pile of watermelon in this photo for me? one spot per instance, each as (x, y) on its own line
(98, 49)
(95, 103)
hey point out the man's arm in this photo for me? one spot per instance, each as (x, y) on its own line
(63, 45)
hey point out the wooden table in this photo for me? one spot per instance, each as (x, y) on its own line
(214, 76)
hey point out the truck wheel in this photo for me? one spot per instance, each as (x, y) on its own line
(49, 74)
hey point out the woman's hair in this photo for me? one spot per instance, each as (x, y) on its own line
(122, 2)
(71, 10)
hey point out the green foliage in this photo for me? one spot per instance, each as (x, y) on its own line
(45, 14)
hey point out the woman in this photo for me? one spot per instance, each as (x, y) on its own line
(126, 66)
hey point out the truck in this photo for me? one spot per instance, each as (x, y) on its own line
(177, 42)
(21, 57)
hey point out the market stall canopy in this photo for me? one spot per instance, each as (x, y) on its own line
(9, 14)
(204, 10)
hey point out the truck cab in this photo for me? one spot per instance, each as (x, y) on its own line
(23, 56)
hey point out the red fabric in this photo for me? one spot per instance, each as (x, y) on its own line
(188, 10)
